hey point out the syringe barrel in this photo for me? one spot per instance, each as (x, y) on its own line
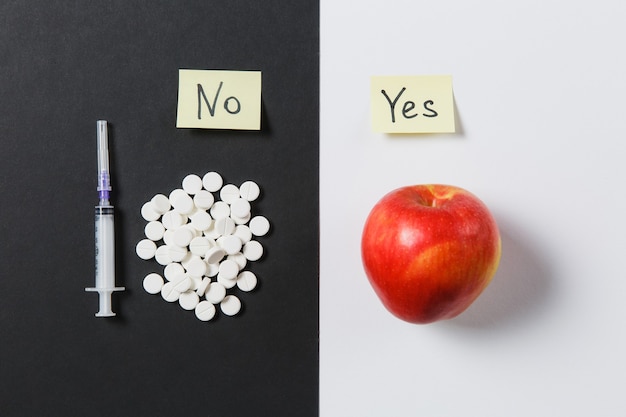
(105, 247)
(105, 260)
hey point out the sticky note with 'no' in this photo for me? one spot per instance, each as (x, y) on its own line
(219, 99)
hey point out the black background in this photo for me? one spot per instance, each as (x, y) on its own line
(64, 65)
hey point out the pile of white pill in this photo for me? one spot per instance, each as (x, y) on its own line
(203, 234)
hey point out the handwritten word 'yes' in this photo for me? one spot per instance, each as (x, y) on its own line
(408, 108)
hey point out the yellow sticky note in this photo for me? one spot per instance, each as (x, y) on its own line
(412, 104)
(213, 99)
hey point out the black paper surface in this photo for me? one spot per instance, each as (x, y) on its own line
(63, 66)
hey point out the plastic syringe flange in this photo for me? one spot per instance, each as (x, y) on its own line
(105, 300)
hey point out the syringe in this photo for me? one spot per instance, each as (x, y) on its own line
(105, 235)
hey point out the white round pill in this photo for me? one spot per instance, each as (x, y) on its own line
(161, 203)
(146, 249)
(194, 227)
(243, 232)
(241, 220)
(252, 250)
(148, 212)
(168, 236)
(174, 271)
(214, 255)
(219, 210)
(182, 203)
(183, 284)
(175, 193)
(229, 193)
(173, 220)
(203, 286)
(230, 305)
(153, 283)
(188, 258)
(177, 253)
(201, 220)
(246, 281)
(205, 311)
(240, 208)
(212, 269)
(168, 292)
(224, 226)
(249, 190)
(203, 199)
(182, 236)
(211, 232)
(259, 226)
(154, 230)
(239, 259)
(228, 269)
(192, 184)
(188, 300)
(199, 245)
(195, 282)
(196, 266)
(215, 293)
(231, 244)
(227, 283)
(212, 181)
(162, 255)
(194, 232)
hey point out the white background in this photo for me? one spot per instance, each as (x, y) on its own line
(539, 90)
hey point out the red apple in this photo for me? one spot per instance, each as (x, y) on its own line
(429, 251)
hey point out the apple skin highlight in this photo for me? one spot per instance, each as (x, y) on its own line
(429, 251)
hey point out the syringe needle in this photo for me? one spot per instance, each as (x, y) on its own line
(104, 178)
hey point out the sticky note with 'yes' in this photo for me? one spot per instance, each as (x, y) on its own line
(412, 104)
